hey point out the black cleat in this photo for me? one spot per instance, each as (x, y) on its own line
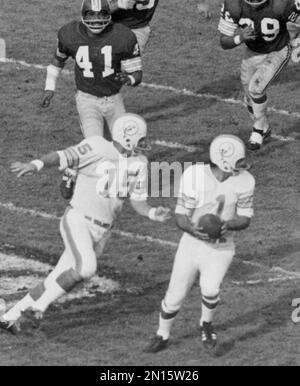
(253, 145)
(31, 319)
(208, 336)
(156, 344)
(9, 326)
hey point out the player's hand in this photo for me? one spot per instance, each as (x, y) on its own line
(48, 95)
(123, 78)
(204, 9)
(23, 169)
(248, 34)
(126, 4)
(199, 233)
(162, 214)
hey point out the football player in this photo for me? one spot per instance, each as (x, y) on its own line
(224, 188)
(109, 172)
(137, 15)
(106, 56)
(262, 26)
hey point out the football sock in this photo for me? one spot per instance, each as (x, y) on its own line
(52, 292)
(259, 106)
(166, 320)
(15, 312)
(209, 305)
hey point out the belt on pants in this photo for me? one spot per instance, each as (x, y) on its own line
(99, 223)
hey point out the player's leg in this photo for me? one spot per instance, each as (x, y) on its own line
(114, 109)
(182, 278)
(267, 71)
(248, 69)
(90, 115)
(213, 268)
(77, 263)
(142, 35)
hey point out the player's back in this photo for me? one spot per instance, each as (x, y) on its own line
(138, 17)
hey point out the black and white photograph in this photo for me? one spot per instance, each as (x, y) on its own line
(149, 185)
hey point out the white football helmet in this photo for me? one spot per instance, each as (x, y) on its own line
(228, 152)
(130, 131)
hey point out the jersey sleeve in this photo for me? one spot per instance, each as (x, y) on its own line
(245, 197)
(85, 153)
(228, 23)
(131, 60)
(140, 188)
(62, 52)
(187, 195)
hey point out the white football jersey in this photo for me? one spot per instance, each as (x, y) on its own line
(201, 193)
(105, 178)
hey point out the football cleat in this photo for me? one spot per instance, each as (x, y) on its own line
(156, 344)
(31, 319)
(67, 184)
(9, 326)
(258, 138)
(208, 336)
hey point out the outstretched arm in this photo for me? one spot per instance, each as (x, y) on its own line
(28, 168)
(159, 214)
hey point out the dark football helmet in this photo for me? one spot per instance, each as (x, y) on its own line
(95, 15)
(255, 3)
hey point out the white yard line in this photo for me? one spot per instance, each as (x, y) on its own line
(31, 212)
(184, 92)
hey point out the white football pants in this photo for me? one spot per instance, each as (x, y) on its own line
(195, 256)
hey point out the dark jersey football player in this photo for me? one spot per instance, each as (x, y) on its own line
(106, 56)
(135, 14)
(263, 26)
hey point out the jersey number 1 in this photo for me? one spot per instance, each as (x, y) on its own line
(83, 61)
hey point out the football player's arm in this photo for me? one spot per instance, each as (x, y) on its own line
(114, 5)
(53, 71)
(244, 210)
(77, 156)
(186, 204)
(231, 35)
(138, 198)
(29, 168)
(131, 64)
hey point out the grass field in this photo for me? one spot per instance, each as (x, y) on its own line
(111, 328)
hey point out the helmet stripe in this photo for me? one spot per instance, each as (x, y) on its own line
(96, 5)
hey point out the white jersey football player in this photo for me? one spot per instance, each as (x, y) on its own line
(224, 188)
(108, 172)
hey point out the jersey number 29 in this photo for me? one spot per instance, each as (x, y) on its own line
(83, 61)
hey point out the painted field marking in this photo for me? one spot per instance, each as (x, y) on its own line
(31, 272)
(290, 275)
(184, 92)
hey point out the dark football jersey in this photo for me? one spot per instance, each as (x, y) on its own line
(138, 17)
(269, 22)
(98, 58)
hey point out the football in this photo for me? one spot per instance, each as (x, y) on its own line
(211, 224)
